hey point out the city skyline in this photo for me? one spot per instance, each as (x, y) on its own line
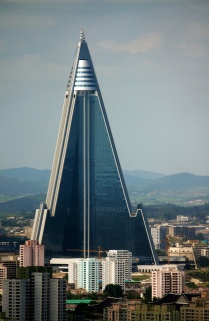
(152, 62)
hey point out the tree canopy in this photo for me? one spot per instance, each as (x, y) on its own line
(113, 290)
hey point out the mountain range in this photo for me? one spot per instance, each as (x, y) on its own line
(19, 184)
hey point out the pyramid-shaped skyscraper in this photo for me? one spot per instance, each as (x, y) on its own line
(87, 203)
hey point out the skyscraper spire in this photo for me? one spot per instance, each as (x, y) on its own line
(87, 202)
(82, 36)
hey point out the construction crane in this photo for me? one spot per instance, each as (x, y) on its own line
(99, 251)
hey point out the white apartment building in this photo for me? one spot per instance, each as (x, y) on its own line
(168, 279)
(84, 273)
(67, 265)
(116, 268)
(88, 274)
(31, 254)
(182, 218)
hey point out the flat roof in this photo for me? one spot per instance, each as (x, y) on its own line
(78, 301)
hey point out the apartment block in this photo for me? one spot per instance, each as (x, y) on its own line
(16, 299)
(35, 296)
(182, 231)
(57, 299)
(159, 235)
(137, 311)
(31, 254)
(116, 268)
(88, 274)
(3, 275)
(167, 280)
(198, 310)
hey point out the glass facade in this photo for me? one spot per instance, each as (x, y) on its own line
(92, 205)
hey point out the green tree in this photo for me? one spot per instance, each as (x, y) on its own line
(133, 295)
(148, 295)
(93, 296)
(200, 237)
(203, 261)
(114, 290)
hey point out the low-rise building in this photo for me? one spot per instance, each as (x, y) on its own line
(196, 310)
(205, 252)
(137, 311)
(183, 249)
(187, 232)
(182, 218)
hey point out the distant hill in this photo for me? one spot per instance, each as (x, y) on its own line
(26, 174)
(178, 181)
(132, 181)
(18, 182)
(23, 204)
(142, 174)
(166, 212)
(143, 186)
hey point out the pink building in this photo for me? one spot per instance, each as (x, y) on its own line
(31, 254)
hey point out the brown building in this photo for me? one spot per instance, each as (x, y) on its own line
(197, 310)
(137, 311)
(172, 307)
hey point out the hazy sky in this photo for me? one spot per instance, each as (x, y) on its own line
(151, 59)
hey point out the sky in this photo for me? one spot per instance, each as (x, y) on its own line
(151, 58)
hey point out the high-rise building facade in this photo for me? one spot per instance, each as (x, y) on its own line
(31, 254)
(159, 236)
(83, 272)
(167, 280)
(88, 274)
(16, 299)
(35, 296)
(116, 268)
(11, 262)
(87, 203)
(3, 275)
(57, 299)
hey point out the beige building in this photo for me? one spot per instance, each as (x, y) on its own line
(137, 311)
(183, 250)
(3, 275)
(197, 310)
(167, 280)
(205, 252)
